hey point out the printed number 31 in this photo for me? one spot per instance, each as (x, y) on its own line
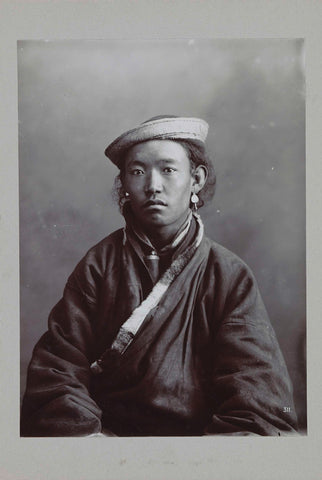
(286, 409)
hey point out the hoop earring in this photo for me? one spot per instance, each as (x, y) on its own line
(194, 200)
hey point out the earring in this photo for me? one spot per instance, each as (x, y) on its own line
(194, 200)
(124, 198)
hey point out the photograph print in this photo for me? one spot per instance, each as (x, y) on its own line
(162, 237)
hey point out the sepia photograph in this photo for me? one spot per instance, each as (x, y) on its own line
(162, 237)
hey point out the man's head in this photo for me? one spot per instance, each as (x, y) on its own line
(159, 181)
(164, 158)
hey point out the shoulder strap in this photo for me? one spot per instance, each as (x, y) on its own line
(131, 326)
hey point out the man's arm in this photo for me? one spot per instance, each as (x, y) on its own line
(251, 389)
(57, 400)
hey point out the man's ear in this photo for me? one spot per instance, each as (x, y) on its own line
(200, 177)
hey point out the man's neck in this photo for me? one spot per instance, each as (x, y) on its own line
(160, 236)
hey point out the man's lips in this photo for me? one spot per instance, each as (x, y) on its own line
(154, 203)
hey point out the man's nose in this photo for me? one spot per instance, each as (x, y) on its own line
(153, 182)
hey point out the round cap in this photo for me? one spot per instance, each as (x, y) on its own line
(165, 127)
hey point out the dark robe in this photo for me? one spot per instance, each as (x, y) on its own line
(205, 360)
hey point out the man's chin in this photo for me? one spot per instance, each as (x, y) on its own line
(155, 223)
(154, 220)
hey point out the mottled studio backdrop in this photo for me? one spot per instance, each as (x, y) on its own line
(76, 96)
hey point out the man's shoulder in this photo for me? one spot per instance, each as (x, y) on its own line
(224, 258)
(114, 239)
(105, 251)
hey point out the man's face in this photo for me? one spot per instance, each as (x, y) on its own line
(158, 179)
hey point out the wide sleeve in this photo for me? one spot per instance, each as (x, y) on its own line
(251, 390)
(57, 401)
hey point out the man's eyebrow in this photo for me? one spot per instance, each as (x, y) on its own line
(142, 163)
(135, 162)
(168, 160)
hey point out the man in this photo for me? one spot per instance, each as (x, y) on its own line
(160, 331)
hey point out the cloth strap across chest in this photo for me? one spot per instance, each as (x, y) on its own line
(131, 326)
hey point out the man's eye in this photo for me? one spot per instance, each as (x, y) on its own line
(137, 171)
(168, 170)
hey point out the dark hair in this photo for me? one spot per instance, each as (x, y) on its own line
(197, 155)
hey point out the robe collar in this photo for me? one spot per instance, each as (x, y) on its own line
(156, 261)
